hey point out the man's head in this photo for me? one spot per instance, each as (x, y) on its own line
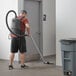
(23, 13)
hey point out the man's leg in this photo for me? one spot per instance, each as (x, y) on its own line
(22, 52)
(13, 49)
(22, 58)
(11, 61)
(11, 58)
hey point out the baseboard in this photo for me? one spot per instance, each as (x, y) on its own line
(32, 57)
(50, 56)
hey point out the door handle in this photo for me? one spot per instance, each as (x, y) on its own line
(38, 33)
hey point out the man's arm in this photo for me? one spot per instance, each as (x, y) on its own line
(28, 28)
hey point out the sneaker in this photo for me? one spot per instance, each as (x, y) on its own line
(24, 66)
(10, 67)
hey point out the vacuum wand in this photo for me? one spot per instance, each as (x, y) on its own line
(45, 62)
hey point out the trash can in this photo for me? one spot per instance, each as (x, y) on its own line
(68, 51)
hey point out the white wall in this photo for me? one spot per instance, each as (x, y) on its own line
(4, 42)
(65, 23)
(49, 27)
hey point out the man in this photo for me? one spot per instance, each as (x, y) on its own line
(19, 43)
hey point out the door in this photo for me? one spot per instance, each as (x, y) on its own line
(33, 15)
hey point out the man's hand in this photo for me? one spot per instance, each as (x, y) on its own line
(12, 35)
(29, 35)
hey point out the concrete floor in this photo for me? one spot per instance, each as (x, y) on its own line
(36, 68)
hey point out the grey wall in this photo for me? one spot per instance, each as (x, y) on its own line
(48, 27)
(49, 34)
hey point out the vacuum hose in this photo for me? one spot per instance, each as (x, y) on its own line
(12, 11)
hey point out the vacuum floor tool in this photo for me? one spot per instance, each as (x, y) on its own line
(16, 31)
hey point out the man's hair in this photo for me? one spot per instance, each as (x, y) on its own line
(23, 11)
